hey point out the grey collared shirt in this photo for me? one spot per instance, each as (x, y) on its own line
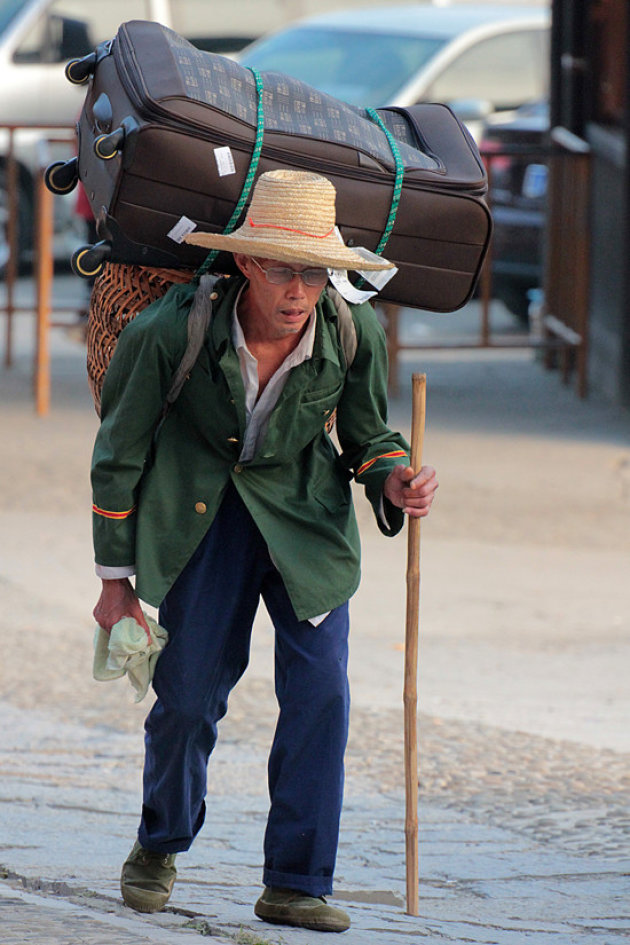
(259, 409)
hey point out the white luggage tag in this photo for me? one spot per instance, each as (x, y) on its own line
(182, 228)
(378, 278)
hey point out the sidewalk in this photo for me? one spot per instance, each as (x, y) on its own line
(524, 693)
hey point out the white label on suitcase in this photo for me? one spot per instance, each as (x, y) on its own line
(339, 278)
(225, 161)
(378, 278)
(182, 228)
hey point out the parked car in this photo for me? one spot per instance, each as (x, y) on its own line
(38, 37)
(484, 61)
(476, 58)
(516, 154)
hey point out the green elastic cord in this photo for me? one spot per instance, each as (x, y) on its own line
(251, 173)
(393, 210)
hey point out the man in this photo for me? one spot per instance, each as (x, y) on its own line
(241, 495)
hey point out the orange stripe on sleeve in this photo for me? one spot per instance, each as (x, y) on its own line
(394, 454)
(115, 515)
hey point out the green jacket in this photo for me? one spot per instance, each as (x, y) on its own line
(156, 496)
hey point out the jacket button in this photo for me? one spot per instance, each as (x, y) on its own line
(201, 508)
(214, 296)
(232, 439)
(238, 468)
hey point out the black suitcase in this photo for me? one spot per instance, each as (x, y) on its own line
(168, 131)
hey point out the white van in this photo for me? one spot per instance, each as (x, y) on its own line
(38, 37)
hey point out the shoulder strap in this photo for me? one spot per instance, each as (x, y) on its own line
(347, 330)
(199, 319)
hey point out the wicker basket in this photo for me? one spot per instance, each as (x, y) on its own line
(120, 292)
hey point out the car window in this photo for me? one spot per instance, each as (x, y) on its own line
(72, 28)
(360, 68)
(506, 70)
(8, 10)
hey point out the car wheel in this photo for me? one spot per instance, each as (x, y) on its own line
(24, 222)
(515, 298)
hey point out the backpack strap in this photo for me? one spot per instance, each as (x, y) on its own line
(347, 337)
(199, 318)
(347, 330)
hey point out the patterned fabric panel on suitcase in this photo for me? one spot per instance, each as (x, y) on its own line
(290, 106)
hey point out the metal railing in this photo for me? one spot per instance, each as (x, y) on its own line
(567, 276)
(52, 134)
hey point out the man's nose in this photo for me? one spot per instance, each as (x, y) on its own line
(296, 287)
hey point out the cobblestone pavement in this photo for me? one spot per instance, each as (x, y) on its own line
(522, 839)
(524, 695)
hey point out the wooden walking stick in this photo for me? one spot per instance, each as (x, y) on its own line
(410, 694)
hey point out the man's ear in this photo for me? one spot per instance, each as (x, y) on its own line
(243, 262)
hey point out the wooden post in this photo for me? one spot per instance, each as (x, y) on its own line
(410, 694)
(12, 240)
(392, 312)
(485, 281)
(44, 236)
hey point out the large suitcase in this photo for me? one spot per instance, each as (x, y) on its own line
(168, 131)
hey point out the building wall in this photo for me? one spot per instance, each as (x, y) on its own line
(609, 313)
(590, 95)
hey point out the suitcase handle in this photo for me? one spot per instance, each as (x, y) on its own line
(441, 131)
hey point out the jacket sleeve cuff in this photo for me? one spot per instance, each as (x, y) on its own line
(390, 519)
(114, 541)
(389, 515)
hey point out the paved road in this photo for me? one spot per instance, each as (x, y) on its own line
(524, 695)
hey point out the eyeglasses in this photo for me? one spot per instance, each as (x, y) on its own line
(279, 275)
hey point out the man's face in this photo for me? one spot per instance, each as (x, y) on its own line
(276, 310)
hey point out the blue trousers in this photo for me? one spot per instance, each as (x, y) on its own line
(208, 614)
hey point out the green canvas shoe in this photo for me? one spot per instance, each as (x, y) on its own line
(147, 879)
(290, 907)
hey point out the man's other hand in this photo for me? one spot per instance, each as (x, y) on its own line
(118, 599)
(410, 491)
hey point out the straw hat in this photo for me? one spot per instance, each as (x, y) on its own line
(291, 218)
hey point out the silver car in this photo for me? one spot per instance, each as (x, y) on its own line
(476, 58)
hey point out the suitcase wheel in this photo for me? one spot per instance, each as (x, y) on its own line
(62, 176)
(88, 261)
(108, 146)
(78, 71)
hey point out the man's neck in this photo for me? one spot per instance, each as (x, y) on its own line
(270, 353)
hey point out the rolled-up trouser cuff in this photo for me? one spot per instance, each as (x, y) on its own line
(313, 885)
